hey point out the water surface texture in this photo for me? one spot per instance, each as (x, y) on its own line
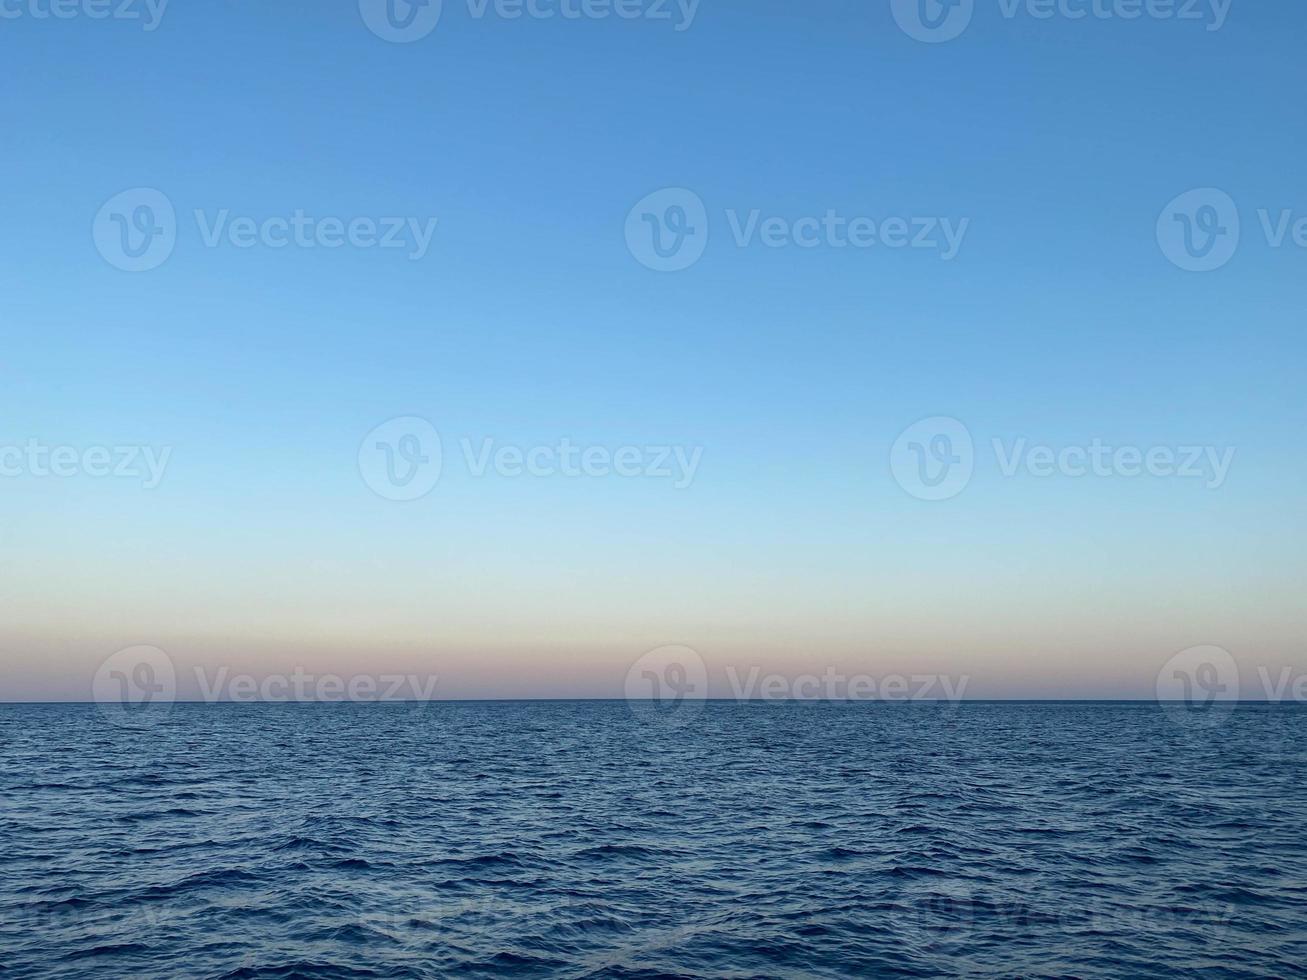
(579, 839)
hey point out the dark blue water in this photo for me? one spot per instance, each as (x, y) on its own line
(579, 840)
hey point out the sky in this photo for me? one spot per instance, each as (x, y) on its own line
(851, 318)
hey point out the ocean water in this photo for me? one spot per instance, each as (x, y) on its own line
(585, 839)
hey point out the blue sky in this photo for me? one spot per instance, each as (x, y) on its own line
(1059, 321)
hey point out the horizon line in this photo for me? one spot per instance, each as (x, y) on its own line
(380, 701)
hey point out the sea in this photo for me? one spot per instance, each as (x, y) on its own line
(591, 839)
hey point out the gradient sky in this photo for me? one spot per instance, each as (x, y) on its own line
(1060, 321)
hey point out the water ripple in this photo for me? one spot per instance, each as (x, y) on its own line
(575, 840)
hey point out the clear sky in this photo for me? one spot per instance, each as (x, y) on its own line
(1050, 146)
